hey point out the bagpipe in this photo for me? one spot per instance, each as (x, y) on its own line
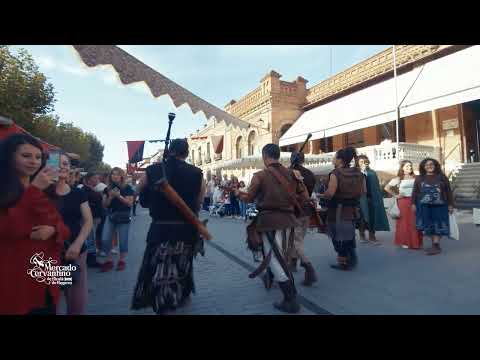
(157, 176)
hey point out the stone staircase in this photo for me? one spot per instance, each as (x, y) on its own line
(467, 177)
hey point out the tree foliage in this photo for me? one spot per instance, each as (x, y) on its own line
(28, 98)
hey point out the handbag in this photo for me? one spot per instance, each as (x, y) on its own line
(120, 217)
(393, 210)
(454, 231)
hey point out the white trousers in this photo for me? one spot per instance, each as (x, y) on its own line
(275, 267)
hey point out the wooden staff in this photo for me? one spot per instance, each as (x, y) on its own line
(175, 199)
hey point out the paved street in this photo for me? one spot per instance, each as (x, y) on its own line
(388, 280)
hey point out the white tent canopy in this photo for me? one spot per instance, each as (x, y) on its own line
(450, 80)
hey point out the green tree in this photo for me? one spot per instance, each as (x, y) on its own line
(24, 90)
(27, 98)
(95, 152)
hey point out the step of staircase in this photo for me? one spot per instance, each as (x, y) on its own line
(467, 178)
(469, 165)
(467, 204)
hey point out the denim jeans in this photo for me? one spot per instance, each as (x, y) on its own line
(243, 209)
(107, 235)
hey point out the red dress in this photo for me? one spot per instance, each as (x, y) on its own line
(406, 232)
(19, 292)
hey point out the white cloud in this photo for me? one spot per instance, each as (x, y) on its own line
(74, 70)
(46, 63)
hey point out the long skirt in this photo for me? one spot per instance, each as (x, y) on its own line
(165, 279)
(406, 232)
(433, 219)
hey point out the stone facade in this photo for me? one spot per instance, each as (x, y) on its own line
(271, 108)
(266, 112)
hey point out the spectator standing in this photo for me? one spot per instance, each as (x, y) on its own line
(432, 201)
(235, 206)
(243, 204)
(29, 225)
(72, 203)
(406, 233)
(118, 200)
(95, 202)
(100, 188)
(374, 217)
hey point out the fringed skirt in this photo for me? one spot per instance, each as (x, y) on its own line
(165, 279)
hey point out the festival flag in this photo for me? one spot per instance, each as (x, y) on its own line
(135, 151)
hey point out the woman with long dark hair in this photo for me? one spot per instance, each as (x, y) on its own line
(432, 200)
(32, 230)
(72, 203)
(345, 186)
(118, 200)
(406, 233)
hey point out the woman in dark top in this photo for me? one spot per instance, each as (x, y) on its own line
(72, 203)
(31, 229)
(118, 200)
(432, 200)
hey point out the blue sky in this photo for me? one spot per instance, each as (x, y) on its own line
(95, 100)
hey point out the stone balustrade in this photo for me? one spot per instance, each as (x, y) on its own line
(383, 157)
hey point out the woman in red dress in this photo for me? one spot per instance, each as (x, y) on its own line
(406, 233)
(31, 230)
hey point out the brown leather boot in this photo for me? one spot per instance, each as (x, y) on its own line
(434, 250)
(310, 276)
(342, 264)
(289, 303)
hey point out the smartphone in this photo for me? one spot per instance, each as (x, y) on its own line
(53, 162)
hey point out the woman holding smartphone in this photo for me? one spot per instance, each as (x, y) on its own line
(32, 230)
(72, 203)
(118, 200)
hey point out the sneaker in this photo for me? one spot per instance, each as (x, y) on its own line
(114, 251)
(102, 254)
(106, 266)
(405, 246)
(121, 265)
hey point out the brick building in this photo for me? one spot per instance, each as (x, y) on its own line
(438, 89)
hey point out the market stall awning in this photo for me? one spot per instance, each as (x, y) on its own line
(450, 80)
(8, 127)
(131, 70)
(7, 130)
(217, 142)
(368, 107)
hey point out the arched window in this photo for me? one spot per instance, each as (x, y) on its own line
(200, 156)
(251, 143)
(193, 157)
(208, 151)
(238, 147)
